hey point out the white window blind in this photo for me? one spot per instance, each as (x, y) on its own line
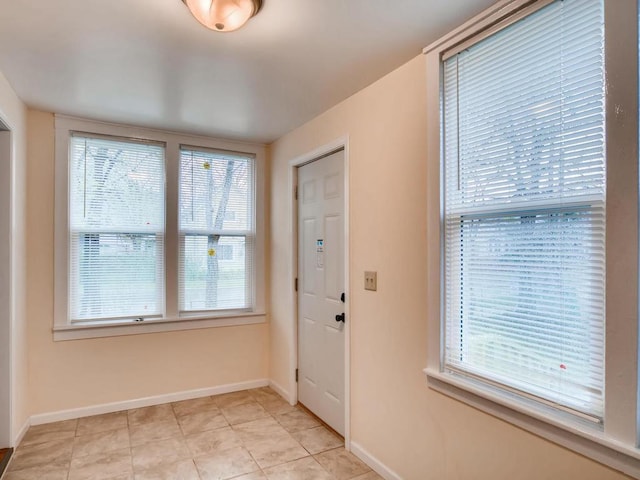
(524, 181)
(116, 220)
(216, 217)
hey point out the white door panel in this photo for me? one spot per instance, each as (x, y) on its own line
(321, 278)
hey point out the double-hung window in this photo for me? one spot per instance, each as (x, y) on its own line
(534, 190)
(155, 231)
(216, 230)
(116, 223)
(524, 185)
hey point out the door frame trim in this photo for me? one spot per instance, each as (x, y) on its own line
(316, 154)
(7, 167)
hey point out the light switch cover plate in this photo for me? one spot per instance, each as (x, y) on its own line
(371, 281)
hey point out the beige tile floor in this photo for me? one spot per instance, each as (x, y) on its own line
(249, 435)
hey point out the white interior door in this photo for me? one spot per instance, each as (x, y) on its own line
(5, 287)
(321, 343)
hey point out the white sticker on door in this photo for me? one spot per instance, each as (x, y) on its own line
(320, 253)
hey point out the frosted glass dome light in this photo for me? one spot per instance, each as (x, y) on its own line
(223, 15)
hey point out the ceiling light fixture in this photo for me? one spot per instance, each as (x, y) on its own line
(223, 15)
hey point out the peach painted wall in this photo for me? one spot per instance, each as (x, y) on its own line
(80, 373)
(414, 431)
(13, 112)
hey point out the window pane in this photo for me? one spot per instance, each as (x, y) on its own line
(116, 205)
(215, 272)
(527, 302)
(216, 191)
(116, 275)
(524, 207)
(116, 185)
(525, 112)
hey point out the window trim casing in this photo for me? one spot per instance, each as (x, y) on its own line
(616, 442)
(172, 319)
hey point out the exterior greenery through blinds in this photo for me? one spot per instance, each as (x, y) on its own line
(116, 220)
(216, 217)
(524, 181)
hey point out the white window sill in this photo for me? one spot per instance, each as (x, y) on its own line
(582, 436)
(132, 327)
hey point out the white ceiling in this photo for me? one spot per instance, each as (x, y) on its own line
(149, 63)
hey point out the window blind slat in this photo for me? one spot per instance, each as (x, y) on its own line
(524, 181)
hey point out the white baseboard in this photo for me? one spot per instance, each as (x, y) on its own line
(143, 402)
(373, 463)
(21, 433)
(281, 391)
(16, 441)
